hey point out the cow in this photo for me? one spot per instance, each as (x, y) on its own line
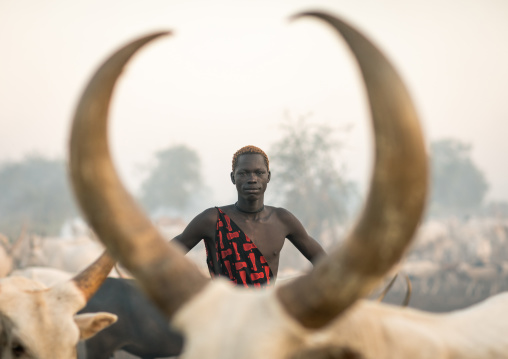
(322, 313)
(40, 322)
(45, 275)
(68, 254)
(141, 328)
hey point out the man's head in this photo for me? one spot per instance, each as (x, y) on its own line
(249, 150)
(250, 171)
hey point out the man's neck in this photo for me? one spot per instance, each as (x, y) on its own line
(249, 210)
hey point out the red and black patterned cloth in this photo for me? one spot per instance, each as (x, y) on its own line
(236, 256)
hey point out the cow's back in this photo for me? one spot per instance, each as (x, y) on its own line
(140, 330)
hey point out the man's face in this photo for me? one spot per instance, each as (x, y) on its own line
(251, 176)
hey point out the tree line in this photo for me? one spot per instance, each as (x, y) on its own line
(309, 180)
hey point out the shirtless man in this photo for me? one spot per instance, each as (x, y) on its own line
(243, 240)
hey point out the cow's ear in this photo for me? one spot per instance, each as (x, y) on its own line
(90, 324)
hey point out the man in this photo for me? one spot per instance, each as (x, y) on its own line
(243, 240)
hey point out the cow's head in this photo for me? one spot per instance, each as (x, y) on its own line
(218, 320)
(41, 323)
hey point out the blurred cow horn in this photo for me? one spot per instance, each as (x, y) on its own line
(394, 204)
(167, 276)
(90, 279)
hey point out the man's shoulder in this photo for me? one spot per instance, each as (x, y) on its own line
(285, 219)
(282, 213)
(208, 215)
(212, 212)
(225, 208)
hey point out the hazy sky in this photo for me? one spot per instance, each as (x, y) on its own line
(233, 69)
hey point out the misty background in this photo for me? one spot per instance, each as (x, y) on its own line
(236, 73)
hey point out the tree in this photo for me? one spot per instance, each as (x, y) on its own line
(35, 193)
(174, 181)
(307, 179)
(458, 186)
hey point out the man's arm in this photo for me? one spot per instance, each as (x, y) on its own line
(297, 235)
(201, 227)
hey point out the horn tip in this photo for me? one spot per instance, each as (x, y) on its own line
(316, 13)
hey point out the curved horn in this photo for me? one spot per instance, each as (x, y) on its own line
(166, 275)
(91, 278)
(387, 288)
(409, 290)
(394, 204)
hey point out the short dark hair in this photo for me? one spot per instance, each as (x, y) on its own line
(250, 150)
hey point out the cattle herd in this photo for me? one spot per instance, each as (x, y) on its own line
(455, 263)
(62, 298)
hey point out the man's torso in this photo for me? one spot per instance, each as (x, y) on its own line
(266, 231)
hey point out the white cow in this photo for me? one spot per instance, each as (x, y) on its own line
(45, 275)
(317, 315)
(41, 323)
(68, 254)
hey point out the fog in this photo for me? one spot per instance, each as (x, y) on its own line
(232, 70)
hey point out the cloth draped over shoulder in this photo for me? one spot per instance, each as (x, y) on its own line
(236, 257)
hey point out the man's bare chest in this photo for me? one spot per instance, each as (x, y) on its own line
(268, 237)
